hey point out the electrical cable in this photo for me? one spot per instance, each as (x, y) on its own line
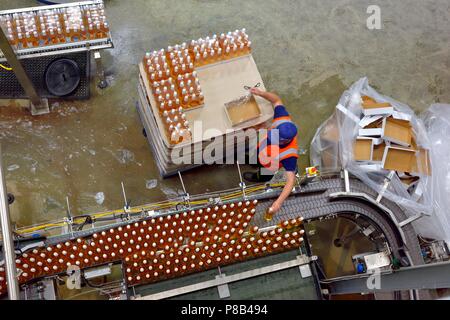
(166, 204)
(95, 285)
(87, 221)
(5, 67)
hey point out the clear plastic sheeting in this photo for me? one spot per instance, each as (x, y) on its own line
(324, 151)
(437, 123)
(333, 144)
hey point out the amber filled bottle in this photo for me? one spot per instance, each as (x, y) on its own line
(268, 216)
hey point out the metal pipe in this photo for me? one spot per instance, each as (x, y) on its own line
(8, 243)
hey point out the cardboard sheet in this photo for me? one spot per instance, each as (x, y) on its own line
(398, 159)
(373, 129)
(371, 107)
(378, 152)
(422, 164)
(375, 105)
(367, 99)
(367, 120)
(362, 149)
(397, 131)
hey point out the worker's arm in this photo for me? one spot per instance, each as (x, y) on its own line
(272, 97)
(290, 182)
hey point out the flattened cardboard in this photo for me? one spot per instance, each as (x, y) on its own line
(376, 124)
(362, 149)
(375, 105)
(414, 143)
(408, 181)
(371, 167)
(422, 164)
(368, 99)
(373, 129)
(367, 120)
(397, 131)
(378, 152)
(398, 159)
(375, 132)
(370, 107)
(401, 116)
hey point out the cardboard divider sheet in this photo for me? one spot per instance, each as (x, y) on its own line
(399, 159)
(397, 131)
(362, 149)
(378, 152)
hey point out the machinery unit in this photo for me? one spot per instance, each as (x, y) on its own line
(54, 44)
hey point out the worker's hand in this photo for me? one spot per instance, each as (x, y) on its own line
(256, 91)
(272, 97)
(276, 206)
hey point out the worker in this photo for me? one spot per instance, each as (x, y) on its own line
(277, 149)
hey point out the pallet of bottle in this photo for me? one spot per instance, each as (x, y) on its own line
(221, 48)
(185, 91)
(234, 75)
(180, 62)
(163, 152)
(173, 84)
(36, 29)
(209, 50)
(163, 99)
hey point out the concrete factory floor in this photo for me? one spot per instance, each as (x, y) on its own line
(308, 51)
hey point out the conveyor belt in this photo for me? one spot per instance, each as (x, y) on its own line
(313, 202)
(319, 205)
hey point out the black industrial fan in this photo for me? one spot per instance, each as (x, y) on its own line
(62, 77)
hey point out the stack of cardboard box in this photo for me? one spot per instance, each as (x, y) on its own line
(386, 140)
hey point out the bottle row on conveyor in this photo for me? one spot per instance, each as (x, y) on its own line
(165, 247)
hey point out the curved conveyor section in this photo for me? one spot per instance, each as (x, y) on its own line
(326, 197)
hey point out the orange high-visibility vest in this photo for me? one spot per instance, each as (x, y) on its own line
(270, 157)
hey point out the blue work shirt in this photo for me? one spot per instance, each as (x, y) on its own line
(289, 164)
